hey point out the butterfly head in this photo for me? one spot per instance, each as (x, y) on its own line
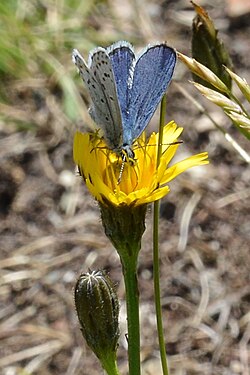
(127, 154)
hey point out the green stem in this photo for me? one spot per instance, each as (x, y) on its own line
(157, 292)
(129, 266)
(110, 365)
(162, 123)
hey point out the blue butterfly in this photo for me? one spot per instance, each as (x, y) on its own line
(125, 89)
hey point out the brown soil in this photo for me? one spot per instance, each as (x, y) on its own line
(51, 230)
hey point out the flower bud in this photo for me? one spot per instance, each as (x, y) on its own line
(208, 49)
(98, 310)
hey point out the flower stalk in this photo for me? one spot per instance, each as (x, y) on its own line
(156, 274)
(129, 270)
(124, 227)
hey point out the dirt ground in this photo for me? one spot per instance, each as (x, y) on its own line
(51, 229)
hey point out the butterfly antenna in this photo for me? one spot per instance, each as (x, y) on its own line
(121, 171)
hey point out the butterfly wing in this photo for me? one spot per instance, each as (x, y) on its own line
(122, 59)
(100, 82)
(152, 74)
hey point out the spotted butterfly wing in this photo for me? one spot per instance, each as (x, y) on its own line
(100, 82)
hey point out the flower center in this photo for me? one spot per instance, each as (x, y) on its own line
(121, 176)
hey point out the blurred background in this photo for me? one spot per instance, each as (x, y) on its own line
(50, 225)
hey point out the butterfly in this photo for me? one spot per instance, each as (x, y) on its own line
(125, 89)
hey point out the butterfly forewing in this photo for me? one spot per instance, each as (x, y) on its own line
(152, 74)
(102, 71)
(105, 110)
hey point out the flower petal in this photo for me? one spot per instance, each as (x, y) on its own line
(142, 181)
(183, 165)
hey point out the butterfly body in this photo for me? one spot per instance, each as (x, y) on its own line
(125, 89)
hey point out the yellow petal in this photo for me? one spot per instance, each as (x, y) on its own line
(183, 165)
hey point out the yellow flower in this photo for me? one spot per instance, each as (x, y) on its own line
(141, 182)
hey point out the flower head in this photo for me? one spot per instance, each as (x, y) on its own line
(143, 181)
